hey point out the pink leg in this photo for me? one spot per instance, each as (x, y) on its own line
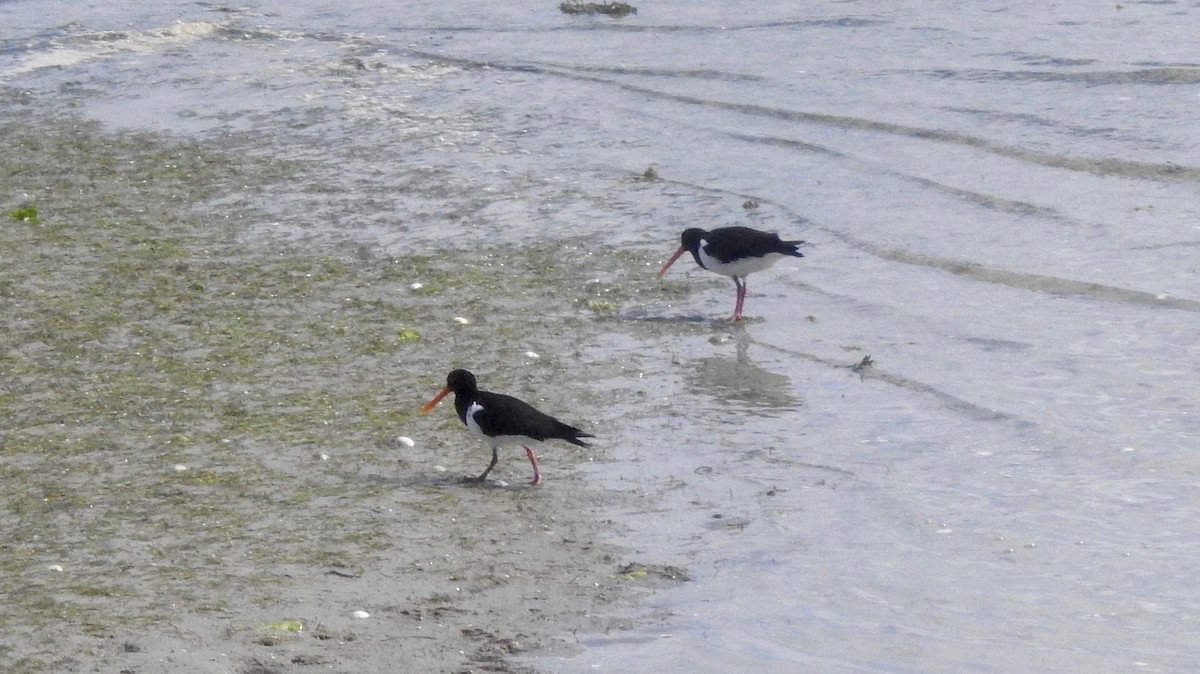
(741, 298)
(481, 478)
(537, 474)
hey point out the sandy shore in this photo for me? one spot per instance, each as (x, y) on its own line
(200, 454)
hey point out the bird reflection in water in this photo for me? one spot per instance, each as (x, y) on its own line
(738, 382)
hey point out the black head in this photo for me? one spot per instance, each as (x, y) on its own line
(461, 381)
(691, 238)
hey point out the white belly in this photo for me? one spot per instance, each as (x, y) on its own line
(746, 265)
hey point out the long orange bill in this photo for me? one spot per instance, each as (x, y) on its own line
(670, 262)
(436, 399)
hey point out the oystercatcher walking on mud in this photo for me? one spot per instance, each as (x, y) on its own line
(503, 420)
(734, 251)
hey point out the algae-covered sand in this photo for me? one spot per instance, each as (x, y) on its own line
(200, 454)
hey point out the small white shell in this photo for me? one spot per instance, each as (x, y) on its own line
(530, 354)
(179, 468)
(405, 440)
(361, 615)
(462, 321)
(417, 286)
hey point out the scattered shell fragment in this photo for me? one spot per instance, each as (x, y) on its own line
(462, 321)
(361, 615)
(179, 468)
(405, 440)
(55, 567)
(530, 354)
(417, 286)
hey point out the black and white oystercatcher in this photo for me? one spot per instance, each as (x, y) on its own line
(734, 251)
(503, 420)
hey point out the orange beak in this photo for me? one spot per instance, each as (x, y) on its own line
(436, 399)
(670, 262)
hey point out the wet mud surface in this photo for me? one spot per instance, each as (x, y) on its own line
(242, 246)
(204, 451)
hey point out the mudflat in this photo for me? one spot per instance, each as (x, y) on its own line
(205, 453)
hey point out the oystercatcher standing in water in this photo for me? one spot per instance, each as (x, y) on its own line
(734, 251)
(503, 420)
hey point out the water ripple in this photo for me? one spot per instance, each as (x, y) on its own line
(1093, 165)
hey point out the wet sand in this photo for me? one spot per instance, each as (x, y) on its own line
(211, 347)
(201, 452)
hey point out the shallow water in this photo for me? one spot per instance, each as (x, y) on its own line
(1001, 203)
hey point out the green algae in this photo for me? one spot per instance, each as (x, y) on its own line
(168, 382)
(286, 625)
(25, 214)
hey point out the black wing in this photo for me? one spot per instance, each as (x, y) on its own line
(506, 415)
(735, 243)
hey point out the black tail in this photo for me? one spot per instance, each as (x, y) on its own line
(793, 248)
(572, 435)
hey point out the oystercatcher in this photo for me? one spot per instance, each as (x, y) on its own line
(503, 420)
(734, 251)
